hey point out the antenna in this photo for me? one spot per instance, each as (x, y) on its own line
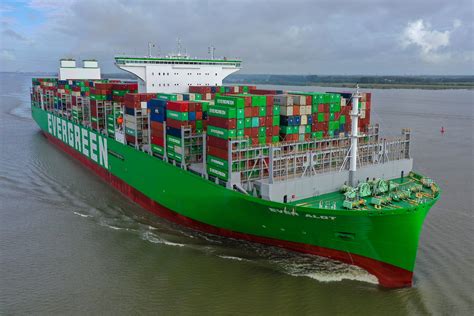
(150, 45)
(211, 50)
(179, 46)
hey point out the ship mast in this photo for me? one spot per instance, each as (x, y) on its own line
(354, 136)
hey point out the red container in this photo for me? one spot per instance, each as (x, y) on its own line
(269, 131)
(268, 120)
(218, 152)
(175, 123)
(222, 122)
(248, 112)
(248, 132)
(255, 111)
(217, 142)
(158, 126)
(269, 110)
(157, 140)
(275, 130)
(198, 107)
(270, 101)
(178, 106)
(192, 107)
(254, 132)
(261, 121)
(254, 140)
(309, 100)
(296, 110)
(198, 116)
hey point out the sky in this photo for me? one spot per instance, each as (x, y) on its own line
(368, 37)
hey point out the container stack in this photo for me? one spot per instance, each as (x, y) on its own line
(157, 109)
(136, 117)
(181, 114)
(295, 116)
(248, 117)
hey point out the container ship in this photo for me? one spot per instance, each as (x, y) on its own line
(305, 171)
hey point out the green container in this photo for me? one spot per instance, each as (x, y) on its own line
(240, 114)
(235, 102)
(275, 139)
(221, 132)
(288, 129)
(262, 111)
(172, 140)
(157, 149)
(248, 122)
(331, 116)
(167, 96)
(331, 133)
(276, 120)
(317, 135)
(307, 129)
(199, 124)
(180, 116)
(197, 96)
(240, 124)
(240, 133)
(222, 111)
(262, 131)
(320, 117)
(276, 110)
(218, 172)
(342, 119)
(262, 140)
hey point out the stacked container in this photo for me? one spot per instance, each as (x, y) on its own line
(136, 117)
(250, 117)
(295, 116)
(181, 114)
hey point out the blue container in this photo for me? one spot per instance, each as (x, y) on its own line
(130, 111)
(287, 120)
(185, 96)
(176, 132)
(158, 114)
(297, 119)
(191, 116)
(213, 89)
(310, 119)
(156, 102)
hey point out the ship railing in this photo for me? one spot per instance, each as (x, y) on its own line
(287, 160)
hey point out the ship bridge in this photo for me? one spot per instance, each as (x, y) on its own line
(176, 73)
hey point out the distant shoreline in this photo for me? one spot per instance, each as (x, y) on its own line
(444, 86)
(336, 81)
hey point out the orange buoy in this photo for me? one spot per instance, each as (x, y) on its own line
(119, 120)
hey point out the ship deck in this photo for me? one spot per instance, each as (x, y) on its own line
(334, 200)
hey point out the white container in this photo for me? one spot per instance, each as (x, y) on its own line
(283, 99)
(299, 99)
(304, 120)
(286, 110)
(302, 129)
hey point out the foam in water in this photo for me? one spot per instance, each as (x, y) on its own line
(82, 215)
(149, 236)
(233, 258)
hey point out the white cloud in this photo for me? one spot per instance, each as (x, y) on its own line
(6, 55)
(428, 40)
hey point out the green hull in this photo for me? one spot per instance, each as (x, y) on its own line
(384, 242)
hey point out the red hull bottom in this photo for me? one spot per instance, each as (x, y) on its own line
(388, 275)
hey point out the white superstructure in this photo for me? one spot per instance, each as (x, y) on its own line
(176, 73)
(69, 70)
